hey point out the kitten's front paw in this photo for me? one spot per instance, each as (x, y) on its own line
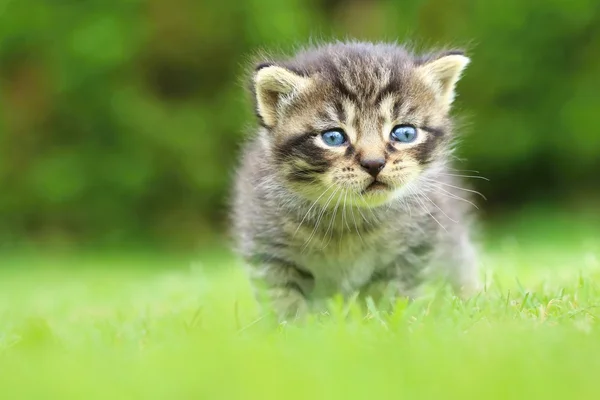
(469, 289)
(289, 304)
(385, 293)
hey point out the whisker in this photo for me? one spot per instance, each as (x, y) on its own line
(368, 208)
(451, 195)
(321, 214)
(332, 222)
(355, 224)
(409, 187)
(436, 206)
(455, 187)
(358, 208)
(463, 170)
(343, 219)
(344, 211)
(405, 205)
(311, 207)
(464, 176)
(404, 200)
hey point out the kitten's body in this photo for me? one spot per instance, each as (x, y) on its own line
(307, 224)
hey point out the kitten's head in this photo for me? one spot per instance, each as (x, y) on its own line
(356, 120)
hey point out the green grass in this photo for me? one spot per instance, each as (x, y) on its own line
(138, 327)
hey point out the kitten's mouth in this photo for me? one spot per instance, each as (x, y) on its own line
(376, 186)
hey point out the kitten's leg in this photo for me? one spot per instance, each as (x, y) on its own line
(281, 286)
(461, 266)
(392, 283)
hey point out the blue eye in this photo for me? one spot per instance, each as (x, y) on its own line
(334, 137)
(404, 133)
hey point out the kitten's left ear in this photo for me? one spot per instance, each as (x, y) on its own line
(274, 87)
(443, 73)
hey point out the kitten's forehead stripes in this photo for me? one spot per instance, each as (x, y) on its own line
(393, 88)
(340, 111)
(398, 106)
(324, 115)
(345, 91)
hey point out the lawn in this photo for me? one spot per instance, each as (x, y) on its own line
(158, 327)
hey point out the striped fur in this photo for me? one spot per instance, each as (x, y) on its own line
(307, 221)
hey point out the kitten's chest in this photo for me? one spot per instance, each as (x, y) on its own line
(343, 265)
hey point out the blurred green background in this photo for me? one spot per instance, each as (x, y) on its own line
(121, 120)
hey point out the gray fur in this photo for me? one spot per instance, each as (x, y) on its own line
(299, 249)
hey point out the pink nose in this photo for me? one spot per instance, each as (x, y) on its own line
(373, 166)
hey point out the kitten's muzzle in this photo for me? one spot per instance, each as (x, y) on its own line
(376, 186)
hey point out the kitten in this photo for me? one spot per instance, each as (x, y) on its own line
(346, 187)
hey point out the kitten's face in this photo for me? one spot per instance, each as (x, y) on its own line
(362, 134)
(367, 152)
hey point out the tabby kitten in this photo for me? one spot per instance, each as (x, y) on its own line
(346, 187)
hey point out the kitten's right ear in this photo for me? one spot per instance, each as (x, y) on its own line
(274, 87)
(443, 72)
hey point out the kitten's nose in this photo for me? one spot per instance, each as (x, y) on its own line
(373, 165)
